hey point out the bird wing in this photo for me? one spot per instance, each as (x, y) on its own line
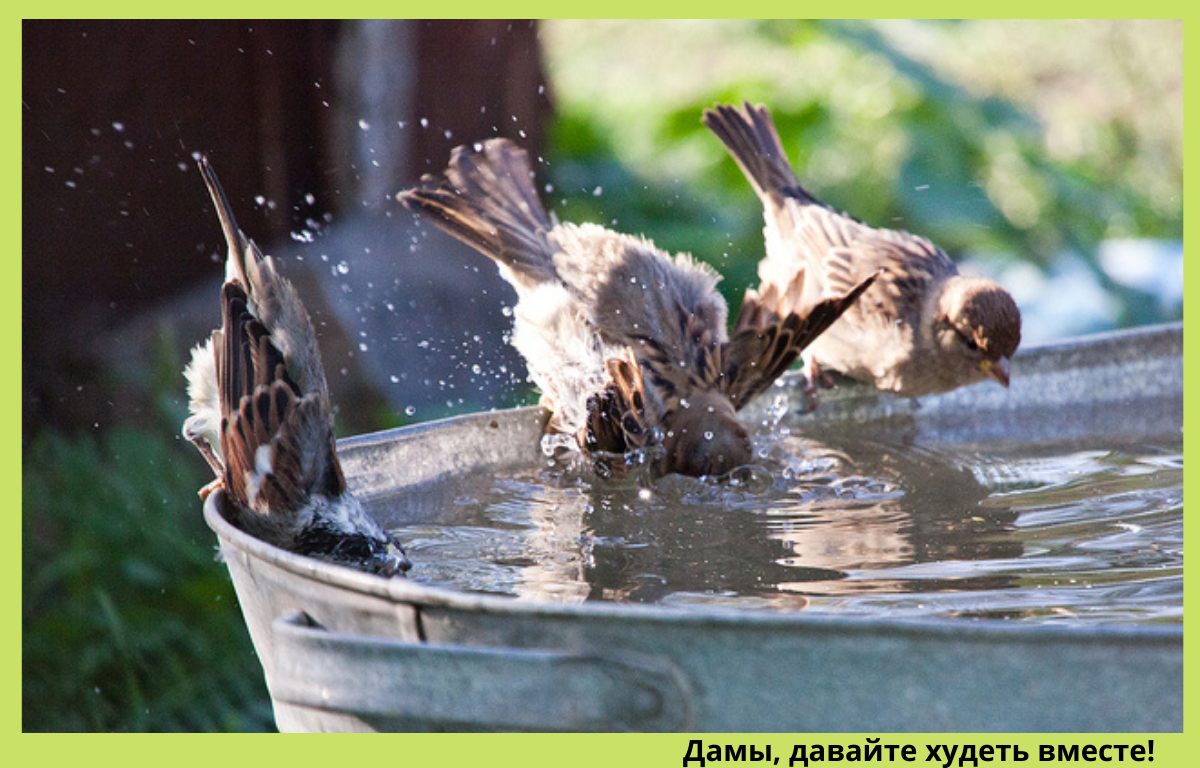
(683, 356)
(622, 417)
(270, 296)
(278, 442)
(767, 338)
(843, 251)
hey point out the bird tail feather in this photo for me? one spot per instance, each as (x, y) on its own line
(486, 199)
(750, 137)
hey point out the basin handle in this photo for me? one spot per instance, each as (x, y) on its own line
(471, 686)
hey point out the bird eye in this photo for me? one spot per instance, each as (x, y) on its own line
(971, 345)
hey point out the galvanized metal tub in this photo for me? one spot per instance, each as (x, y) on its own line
(348, 651)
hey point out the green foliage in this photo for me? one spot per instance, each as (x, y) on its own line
(947, 129)
(130, 623)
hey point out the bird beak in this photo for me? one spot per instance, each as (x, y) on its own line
(996, 369)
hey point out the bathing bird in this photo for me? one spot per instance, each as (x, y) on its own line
(922, 328)
(627, 344)
(261, 416)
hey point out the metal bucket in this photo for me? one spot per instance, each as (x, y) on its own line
(348, 651)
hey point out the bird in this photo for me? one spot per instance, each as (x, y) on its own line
(260, 414)
(627, 344)
(921, 329)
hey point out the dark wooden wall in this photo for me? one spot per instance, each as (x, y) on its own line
(115, 218)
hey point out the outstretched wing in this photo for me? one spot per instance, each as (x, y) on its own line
(844, 251)
(771, 333)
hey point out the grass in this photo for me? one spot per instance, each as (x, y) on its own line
(130, 623)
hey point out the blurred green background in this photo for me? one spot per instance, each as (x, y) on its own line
(1045, 153)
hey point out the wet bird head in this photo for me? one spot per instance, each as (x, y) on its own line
(703, 437)
(340, 531)
(979, 328)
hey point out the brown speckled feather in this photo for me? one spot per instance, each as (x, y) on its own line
(486, 199)
(621, 418)
(765, 342)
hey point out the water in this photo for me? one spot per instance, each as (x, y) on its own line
(1086, 532)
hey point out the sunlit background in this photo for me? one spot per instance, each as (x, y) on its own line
(1045, 154)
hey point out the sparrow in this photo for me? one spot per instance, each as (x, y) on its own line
(260, 415)
(922, 328)
(627, 344)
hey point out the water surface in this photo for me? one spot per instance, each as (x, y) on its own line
(1087, 531)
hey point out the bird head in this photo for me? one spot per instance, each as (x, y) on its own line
(341, 532)
(704, 437)
(978, 329)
